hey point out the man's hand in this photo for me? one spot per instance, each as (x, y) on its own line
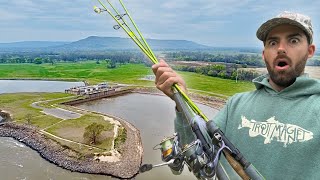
(166, 77)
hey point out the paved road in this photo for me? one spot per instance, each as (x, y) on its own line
(57, 112)
(61, 113)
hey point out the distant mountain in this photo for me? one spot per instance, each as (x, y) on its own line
(117, 43)
(95, 43)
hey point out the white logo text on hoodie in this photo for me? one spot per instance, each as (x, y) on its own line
(273, 129)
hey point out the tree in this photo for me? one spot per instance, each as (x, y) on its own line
(92, 132)
(52, 61)
(38, 60)
(28, 118)
(111, 65)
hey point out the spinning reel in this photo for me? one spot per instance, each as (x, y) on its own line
(192, 155)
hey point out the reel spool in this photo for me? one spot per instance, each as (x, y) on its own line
(168, 148)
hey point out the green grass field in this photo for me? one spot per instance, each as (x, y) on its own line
(128, 74)
(19, 106)
(215, 85)
(73, 129)
(89, 71)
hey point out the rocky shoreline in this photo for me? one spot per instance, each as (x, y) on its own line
(62, 156)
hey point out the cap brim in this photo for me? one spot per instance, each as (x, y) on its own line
(266, 27)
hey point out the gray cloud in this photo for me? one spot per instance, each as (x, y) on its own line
(211, 22)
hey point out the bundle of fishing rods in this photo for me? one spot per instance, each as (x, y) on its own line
(201, 155)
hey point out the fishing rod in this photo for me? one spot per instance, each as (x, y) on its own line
(201, 155)
(142, 44)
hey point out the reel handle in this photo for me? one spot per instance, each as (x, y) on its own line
(145, 167)
(148, 167)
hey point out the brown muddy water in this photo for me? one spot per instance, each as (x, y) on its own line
(153, 115)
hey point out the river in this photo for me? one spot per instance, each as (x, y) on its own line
(14, 86)
(153, 115)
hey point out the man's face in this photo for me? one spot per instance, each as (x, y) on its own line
(285, 53)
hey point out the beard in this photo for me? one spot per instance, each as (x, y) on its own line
(287, 77)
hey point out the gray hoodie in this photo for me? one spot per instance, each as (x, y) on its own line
(278, 132)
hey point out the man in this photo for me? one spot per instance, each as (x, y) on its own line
(276, 127)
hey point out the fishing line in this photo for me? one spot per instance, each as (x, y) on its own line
(143, 46)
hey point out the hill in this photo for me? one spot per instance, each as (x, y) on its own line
(95, 43)
(117, 43)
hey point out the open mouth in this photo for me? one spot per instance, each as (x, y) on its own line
(282, 65)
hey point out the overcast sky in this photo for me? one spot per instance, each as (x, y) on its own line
(227, 23)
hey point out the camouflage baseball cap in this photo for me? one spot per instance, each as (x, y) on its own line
(301, 21)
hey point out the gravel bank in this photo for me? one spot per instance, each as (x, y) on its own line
(62, 156)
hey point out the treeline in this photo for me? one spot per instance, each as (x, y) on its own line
(128, 57)
(245, 59)
(313, 62)
(226, 71)
(38, 58)
(134, 56)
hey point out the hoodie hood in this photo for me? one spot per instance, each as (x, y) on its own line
(303, 86)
